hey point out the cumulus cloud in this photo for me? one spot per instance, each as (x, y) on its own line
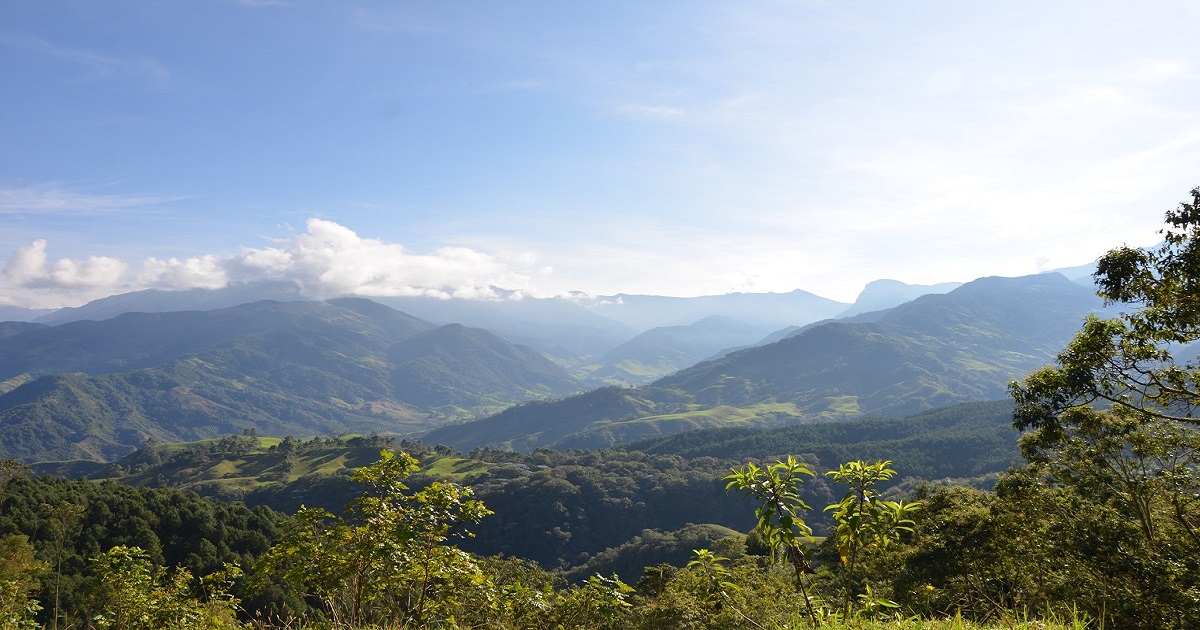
(326, 260)
(31, 280)
(330, 259)
(201, 272)
(28, 265)
(29, 268)
(95, 272)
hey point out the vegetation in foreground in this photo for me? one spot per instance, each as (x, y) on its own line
(391, 563)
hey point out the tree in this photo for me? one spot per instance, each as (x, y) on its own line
(1120, 496)
(1131, 360)
(1112, 427)
(972, 553)
(864, 523)
(132, 593)
(389, 562)
(10, 469)
(780, 520)
(62, 520)
(601, 602)
(19, 569)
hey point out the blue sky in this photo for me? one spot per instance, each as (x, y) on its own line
(642, 147)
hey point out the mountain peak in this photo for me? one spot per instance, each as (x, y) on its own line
(883, 294)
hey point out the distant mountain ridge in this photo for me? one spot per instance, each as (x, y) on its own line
(579, 333)
(768, 311)
(575, 330)
(931, 352)
(554, 326)
(884, 294)
(19, 314)
(160, 301)
(106, 378)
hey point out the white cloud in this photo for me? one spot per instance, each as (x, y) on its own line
(325, 261)
(267, 260)
(31, 280)
(28, 264)
(330, 259)
(200, 272)
(28, 267)
(97, 272)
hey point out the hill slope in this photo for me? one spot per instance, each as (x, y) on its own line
(468, 367)
(667, 349)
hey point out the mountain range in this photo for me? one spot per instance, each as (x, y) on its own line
(96, 381)
(934, 351)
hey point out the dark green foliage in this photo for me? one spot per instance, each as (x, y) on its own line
(781, 514)
(1138, 359)
(242, 468)
(19, 571)
(563, 509)
(129, 592)
(966, 440)
(174, 528)
(966, 554)
(1045, 550)
(865, 526)
(654, 548)
(1120, 509)
(560, 508)
(1114, 444)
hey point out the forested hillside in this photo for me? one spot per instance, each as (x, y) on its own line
(959, 442)
(565, 509)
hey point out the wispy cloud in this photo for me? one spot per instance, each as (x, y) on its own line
(658, 112)
(98, 65)
(255, 4)
(49, 199)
